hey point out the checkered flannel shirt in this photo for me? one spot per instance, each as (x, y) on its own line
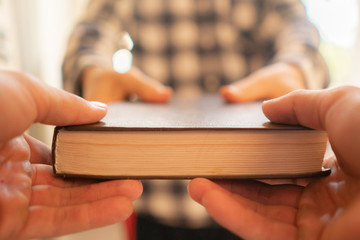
(194, 45)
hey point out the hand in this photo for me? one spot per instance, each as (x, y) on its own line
(106, 85)
(327, 208)
(33, 202)
(269, 82)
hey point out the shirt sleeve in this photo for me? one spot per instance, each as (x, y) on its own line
(297, 42)
(92, 42)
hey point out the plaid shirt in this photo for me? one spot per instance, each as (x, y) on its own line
(194, 45)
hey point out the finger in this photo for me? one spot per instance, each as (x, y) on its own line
(345, 223)
(63, 108)
(46, 195)
(287, 214)
(263, 193)
(240, 220)
(283, 194)
(148, 89)
(312, 108)
(44, 175)
(39, 152)
(46, 222)
(99, 84)
(245, 90)
(332, 110)
(269, 82)
(28, 101)
(299, 107)
(109, 86)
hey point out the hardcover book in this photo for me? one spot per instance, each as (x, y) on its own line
(187, 138)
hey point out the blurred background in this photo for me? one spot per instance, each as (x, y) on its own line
(34, 34)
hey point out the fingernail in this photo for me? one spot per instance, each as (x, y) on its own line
(232, 90)
(267, 101)
(99, 104)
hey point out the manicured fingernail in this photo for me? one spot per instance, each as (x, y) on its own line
(98, 104)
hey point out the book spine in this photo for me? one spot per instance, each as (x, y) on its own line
(53, 147)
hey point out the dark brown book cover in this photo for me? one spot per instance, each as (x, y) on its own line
(208, 112)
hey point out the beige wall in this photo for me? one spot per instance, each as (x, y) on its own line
(39, 30)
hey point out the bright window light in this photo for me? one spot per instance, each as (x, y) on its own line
(337, 20)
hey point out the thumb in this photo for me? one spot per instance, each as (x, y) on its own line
(268, 82)
(148, 89)
(24, 100)
(246, 90)
(335, 110)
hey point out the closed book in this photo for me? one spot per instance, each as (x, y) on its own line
(187, 138)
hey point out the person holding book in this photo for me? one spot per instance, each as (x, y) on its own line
(327, 208)
(33, 202)
(246, 50)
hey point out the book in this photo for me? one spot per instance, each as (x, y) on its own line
(187, 138)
